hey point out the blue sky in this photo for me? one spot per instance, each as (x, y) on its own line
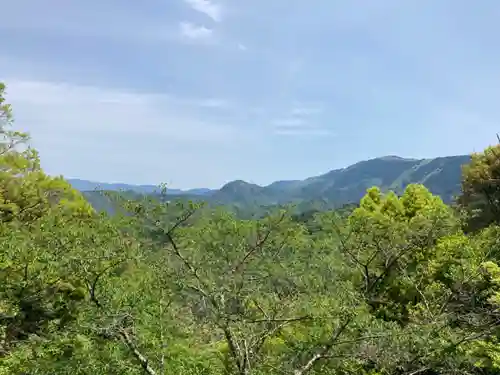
(196, 93)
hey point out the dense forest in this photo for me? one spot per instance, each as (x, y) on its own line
(399, 284)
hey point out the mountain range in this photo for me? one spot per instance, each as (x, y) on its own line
(333, 189)
(85, 185)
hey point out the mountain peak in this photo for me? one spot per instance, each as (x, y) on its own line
(239, 184)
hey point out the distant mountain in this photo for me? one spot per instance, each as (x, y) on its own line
(84, 185)
(348, 185)
(331, 190)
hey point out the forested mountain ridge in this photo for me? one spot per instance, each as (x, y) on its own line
(331, 190)
(347, 185)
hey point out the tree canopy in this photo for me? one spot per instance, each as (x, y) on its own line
(480, 198)
(399, 285)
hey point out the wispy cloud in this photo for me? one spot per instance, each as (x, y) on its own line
(213, 103)
(83, 123)
(300, 120)
(300, 110)
(293, 126)
(289, 122)
(299, 132)
(207, 7)
(195, 32)
(87, 110)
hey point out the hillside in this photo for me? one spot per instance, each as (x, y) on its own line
(330, 190)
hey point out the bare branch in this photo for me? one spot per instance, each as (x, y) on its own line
(258, 245)
(181, 221)
(419, 371)
(93, 286)
(234, 349)
(324, 351)
(281, 320)
(137, 354)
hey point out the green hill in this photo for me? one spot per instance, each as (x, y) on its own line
(330, 190)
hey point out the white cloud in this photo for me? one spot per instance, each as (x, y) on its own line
(298, 122)
(65, 115)
(213, 103)
(294, 126)
(105, 134)
(297, 132)
(194, 32)
(207, 7)
(305, 110)
(85, 110)
(289, 122)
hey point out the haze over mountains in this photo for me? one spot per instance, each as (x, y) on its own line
(333, 189)
(85, 185)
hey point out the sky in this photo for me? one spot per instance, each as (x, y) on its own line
(196, 93)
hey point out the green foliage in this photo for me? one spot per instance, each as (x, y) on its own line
(390, 287)
(480, 198)
(392, 241)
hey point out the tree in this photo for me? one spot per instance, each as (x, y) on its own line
(261, 294)
(10, 138)
(385, 293)
(419, 270)
(26, 192)
(52, 245)
(480, 196)
(392, 241)
(387, 246)
(225, 273)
